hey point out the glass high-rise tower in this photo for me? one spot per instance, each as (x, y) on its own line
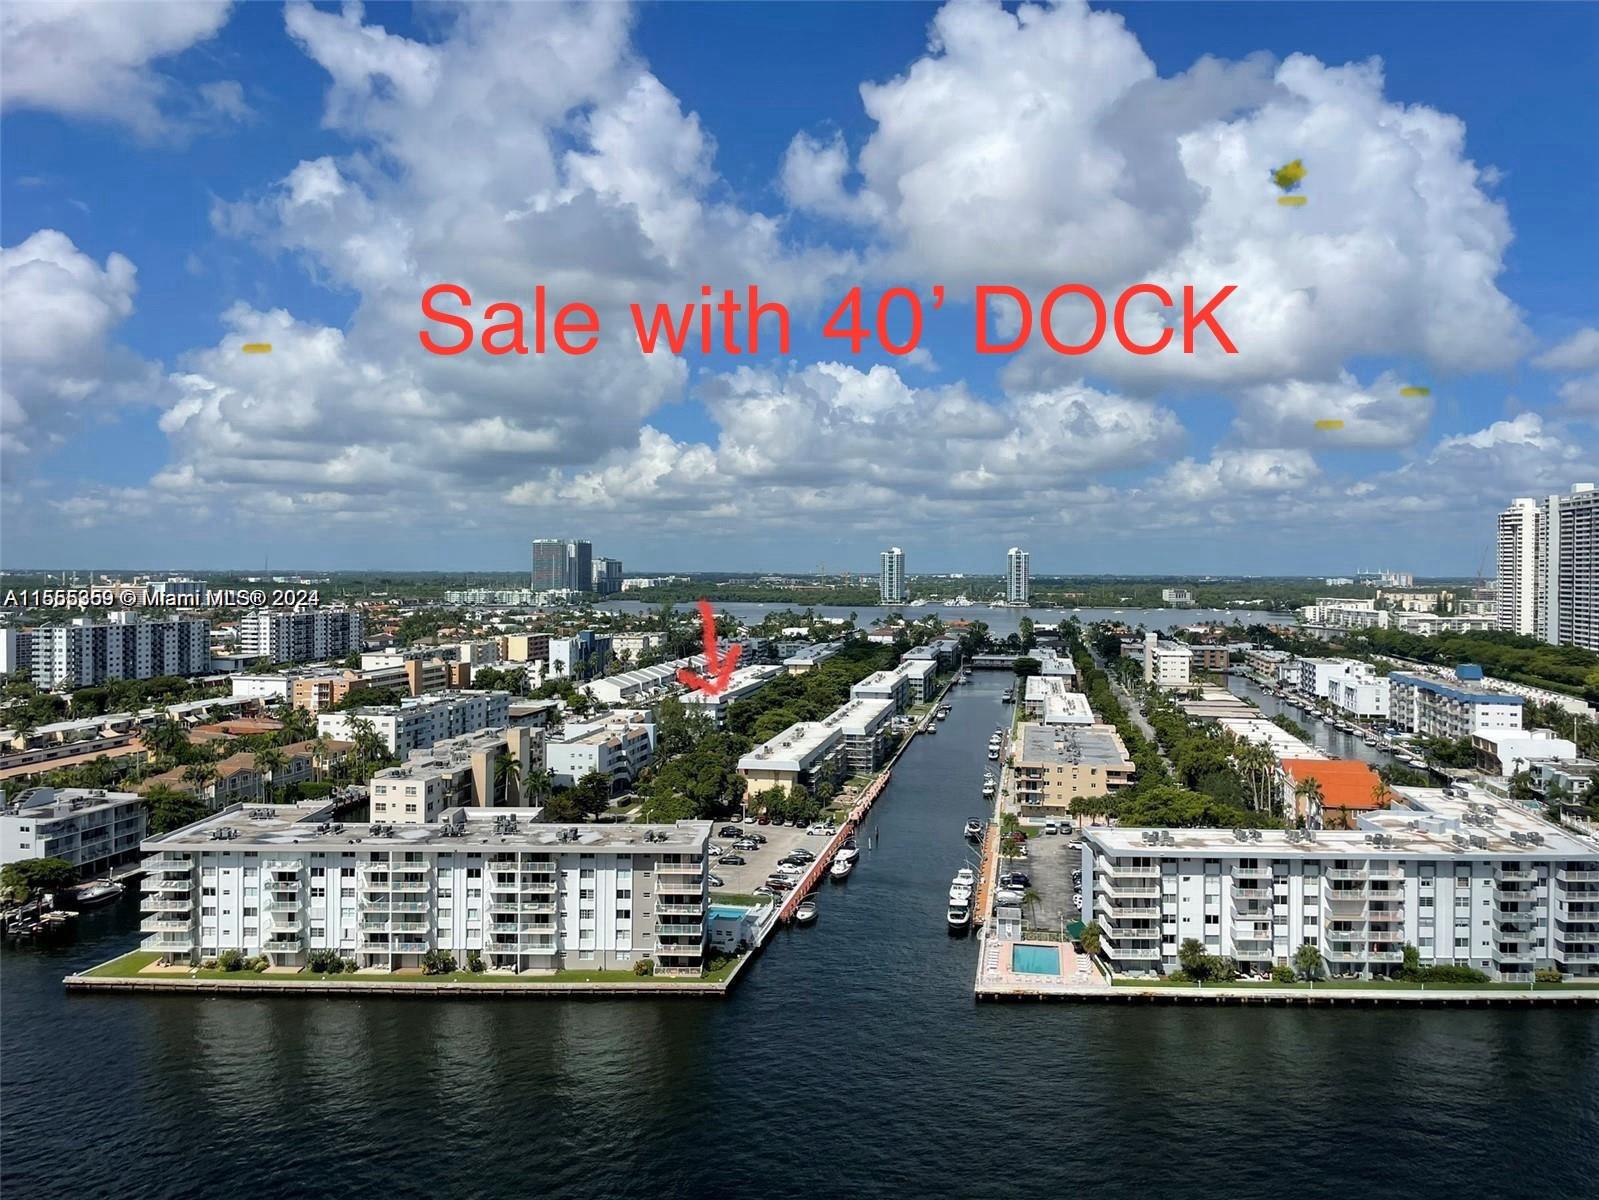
(562, 564)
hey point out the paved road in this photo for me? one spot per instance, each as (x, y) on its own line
(1134, 709)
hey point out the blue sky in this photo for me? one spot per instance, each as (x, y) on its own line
(179, 179)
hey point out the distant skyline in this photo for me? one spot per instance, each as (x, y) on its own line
(182, 179)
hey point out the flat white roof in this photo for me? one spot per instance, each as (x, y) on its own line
(795, 749)
(1257, 729)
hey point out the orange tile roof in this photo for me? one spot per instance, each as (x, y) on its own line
(1345, 782)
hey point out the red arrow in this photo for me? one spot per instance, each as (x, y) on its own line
(721, 669)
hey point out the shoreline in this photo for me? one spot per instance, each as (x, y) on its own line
(1571, 997)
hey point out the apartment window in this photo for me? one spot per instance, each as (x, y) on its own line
(474, 872)
(208, 891)
(624, 893)
(250, 912)
(319, 893)
(318, 872)
(208, 910)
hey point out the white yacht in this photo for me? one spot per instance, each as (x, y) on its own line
(959, 916)
(966, 878)
(841, 867)
(974, 829)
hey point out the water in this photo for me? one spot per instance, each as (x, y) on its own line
(1321, 735)
(1000, 621)
(851, 1060)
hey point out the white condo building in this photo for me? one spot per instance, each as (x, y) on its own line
(1548, 558)
(305, 635)
(417, 722)
(1166, 664)
(1018, 576)
(85, 652)
(90, 828)
(891, 586)
(1450, 708)
(1464, 881)
(284, 881)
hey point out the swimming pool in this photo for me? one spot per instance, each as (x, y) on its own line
(726, 912)
(1035, 960)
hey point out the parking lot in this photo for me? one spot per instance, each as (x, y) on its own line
(1050, 861)
(780, 839)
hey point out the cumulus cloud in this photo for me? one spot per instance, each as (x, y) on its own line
(1374, 417)
(1040, 146)
(88, 58)
(62, 363)
(1579, 352)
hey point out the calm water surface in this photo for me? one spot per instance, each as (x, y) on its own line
(850, 1061)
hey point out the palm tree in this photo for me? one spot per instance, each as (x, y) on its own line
(320, 746)
(198, 775)
(164, 738)
(537, 784)
(269, 762)
(1309, 794)
(507, 779)
(298, 725)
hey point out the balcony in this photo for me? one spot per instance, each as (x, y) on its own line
(1356, 873)
(1131, 953)
(394, 927)
(384, 904)
(168, 944)
(1577, 956)
(282, 884)
(695, 930)
(1384, 916)
(167, 882)
(678, 910)
(168, 862)
(167, 924)
(282, 906)
(1129, 871)
(693, 869)
(518, 927)
(1347, 901)
(284, 920)
(1584, 875)
(1511, 954)
(1251, 872)
(284, 944)
(163, 905)
(1111, 888)
(1146, 911)
(406, 886)
(1386, 953)
(1251, 892)
(541, 906)
(1514, 875)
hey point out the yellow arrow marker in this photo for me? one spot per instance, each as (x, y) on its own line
(258, 347)
(1415, 391)
(1329, 424)
(1293, 201)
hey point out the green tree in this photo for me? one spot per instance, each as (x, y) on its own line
(561, 808)
(507, 779)
(1191, 958)
(165, 738)
(171, 809)
(1026, 667)
(1025, 631)
(1307, 961)
(1092, 933)
(21, 881)
(269, 762)
(592, 794)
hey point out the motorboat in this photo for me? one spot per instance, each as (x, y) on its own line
(806, 912)
(965, 877)
(993, 755)
(848, 852)
(102, 891)
(989, 788)
(959, 916)
(930, 727)
(841, 867)
(974, 829)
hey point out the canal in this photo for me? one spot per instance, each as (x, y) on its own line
(1320, 734)
(850, 1060)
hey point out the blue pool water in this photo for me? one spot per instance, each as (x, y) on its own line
(725, 910)
(1036, 960)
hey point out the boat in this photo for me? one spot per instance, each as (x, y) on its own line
(930, 727)
(841, 868)
(993, 755)
(974, 829)
(848, 852)
(1369, 740)
(101, 891)
(959, 916)
(965, 877)
(806, 912)
(989, 788)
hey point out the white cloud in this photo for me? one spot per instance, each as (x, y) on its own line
(1039, 147)
(88, 58)
(1374, 417)
(62, 365)
(1579, 352)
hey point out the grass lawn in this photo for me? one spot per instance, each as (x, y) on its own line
(740, 899)
(1369, 984)
(129, 966)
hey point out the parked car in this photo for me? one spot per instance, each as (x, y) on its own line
(791, 860)
(763, 819)
(746, 844)
(749, 818)
(716, 881)
(732, 860)
(801, 853)
(1051, 827)
(728, 831)
(713, 849)
(1015, 879)
(755, 836)
(764, 890)
(792, 870)
(821, 828)
(779, 883)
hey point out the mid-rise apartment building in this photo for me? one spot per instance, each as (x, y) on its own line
(1018, 576)
(1360, 692)
(1176, 595)
(619, 747)
(806, 753)
(1465, 881)
(580, 654)
(893, 686)
(1049, 699)
(528, 897)
(891, 583)
(1056, 764)
(417, 722)
(85, 652)
(304, 635)
(460, 772)
(90, 828)
(1166, 664)
(1450, 708)
(865, 725)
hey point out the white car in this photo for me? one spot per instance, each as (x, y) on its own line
(792, 870)
(822, 828)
